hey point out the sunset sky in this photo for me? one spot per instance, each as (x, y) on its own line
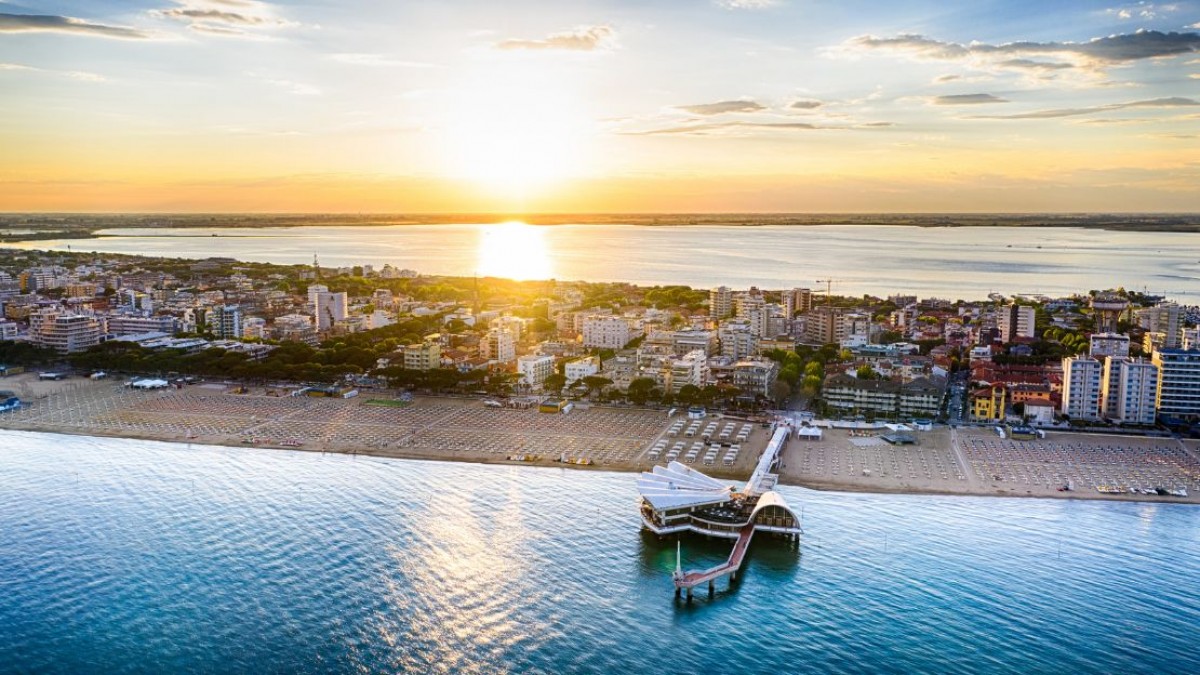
(617, 106)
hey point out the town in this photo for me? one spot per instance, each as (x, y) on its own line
(1111, 362)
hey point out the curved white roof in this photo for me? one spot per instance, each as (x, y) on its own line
(680, 486)
(772, 498)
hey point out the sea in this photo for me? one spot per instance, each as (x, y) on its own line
(131, 556)
(946, 262)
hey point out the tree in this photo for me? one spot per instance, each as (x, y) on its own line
(554, 382)
(688, 394)
(594, 382)
(865, 372)
(640, 390)
(780, 391)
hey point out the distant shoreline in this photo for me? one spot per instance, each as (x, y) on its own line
(85, 226)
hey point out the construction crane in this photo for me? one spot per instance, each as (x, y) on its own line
(828, 289)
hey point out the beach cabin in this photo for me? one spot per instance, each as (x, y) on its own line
(552, 405)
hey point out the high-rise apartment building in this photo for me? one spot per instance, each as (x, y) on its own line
(1178, 382)
(330, 308)
(720, 302)
(1082, 377)
(1016, 321)
(1130, 390)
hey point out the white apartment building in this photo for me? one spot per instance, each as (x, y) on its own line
(797, 300)
(499, 345)
(1166, 319)
(330, 308)
(1130, 389)
(422, 356)
(66, 333)
(1109, 344)
(580, 368)
(120, 324)
(720, 302)
(691, 368)
(1178, 382)
(254, 328)
(513, 324)
(609, 332)
(1081, 387)
(8, 330)
(1016, 321)
(685, 341)
(535, 368)
(313, 291)
(738, 340)
(225, 321)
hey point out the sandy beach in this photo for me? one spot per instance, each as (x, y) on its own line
(967, 461)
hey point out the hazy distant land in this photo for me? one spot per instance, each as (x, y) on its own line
(26, 227)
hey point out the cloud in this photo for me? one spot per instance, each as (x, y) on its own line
(1169, 102)
(805, 104)
(581, 39)
(227, 18)
(746, 4)
(81, 75)
(1141, 10)
(1095, 53)
(377, 60)
(966, 99)
(722, 107)
(734, 127)
(942, 79)
(47, 23)
(184, 14)
(1030, 64)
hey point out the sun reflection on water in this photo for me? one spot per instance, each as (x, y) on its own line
(514, 250)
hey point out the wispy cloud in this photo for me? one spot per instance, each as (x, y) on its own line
(377, 60)
(805, 104)
(227, 18)
(1169, 102)
(1141, 10)
(81, 75)
(583, 39)
(1096, 53)
(741, 128)
(746, 4)
(966, 99)
(723, 107)
(49, 23)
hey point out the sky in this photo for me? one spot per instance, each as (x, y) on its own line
(626, 106)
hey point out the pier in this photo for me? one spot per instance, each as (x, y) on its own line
(677, 498)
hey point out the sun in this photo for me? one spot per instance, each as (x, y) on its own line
(514, 250)
(514, 131)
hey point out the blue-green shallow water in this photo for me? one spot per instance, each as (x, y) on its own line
(133, 556)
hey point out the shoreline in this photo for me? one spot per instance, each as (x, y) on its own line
(624, 468)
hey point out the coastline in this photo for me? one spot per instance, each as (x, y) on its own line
(786, 478)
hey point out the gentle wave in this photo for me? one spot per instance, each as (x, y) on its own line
(135, 556)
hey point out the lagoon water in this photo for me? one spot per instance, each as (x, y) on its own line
(142, 557)
(958, 262)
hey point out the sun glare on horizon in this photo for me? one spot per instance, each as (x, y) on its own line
(514, 250)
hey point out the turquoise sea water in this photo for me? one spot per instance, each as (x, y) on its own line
(140, 557)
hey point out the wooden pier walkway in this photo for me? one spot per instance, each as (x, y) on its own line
(691, 579)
